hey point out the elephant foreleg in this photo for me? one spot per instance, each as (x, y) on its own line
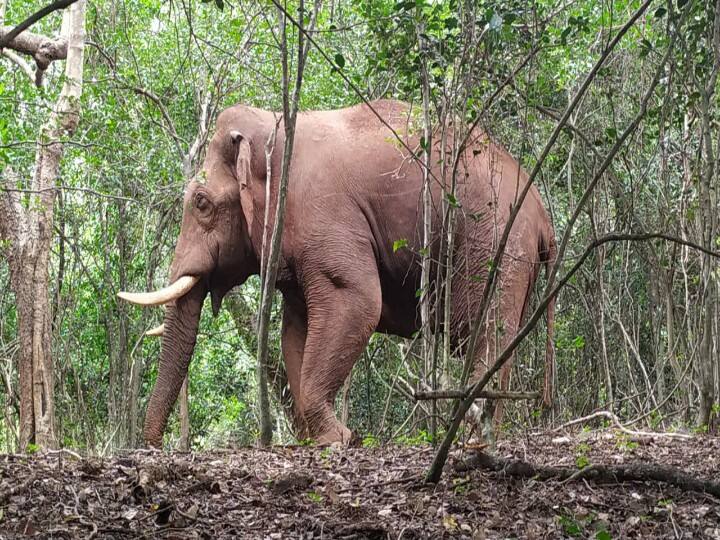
(342, 315)
(294, 334)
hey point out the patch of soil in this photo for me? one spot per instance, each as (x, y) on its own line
(353, 493)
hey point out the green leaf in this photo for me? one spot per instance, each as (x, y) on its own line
(565, 34)
(660, 12)
(452, 200)
(645, 48)
(339, 60)
(404, 5)
(582, 461)
(400, 244)
(370, 442)
(315, 497)
(570, 526)
(603, 535)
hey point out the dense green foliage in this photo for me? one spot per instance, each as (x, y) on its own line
(630, 324)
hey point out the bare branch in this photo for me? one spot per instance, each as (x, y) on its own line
(68, 188)
(177, 139)
(22, 64)
(203, 128)
(461, 394)
(32, 19)
(44, 50)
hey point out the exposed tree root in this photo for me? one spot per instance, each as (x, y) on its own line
(634, 472)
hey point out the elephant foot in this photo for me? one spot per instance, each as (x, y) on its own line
(300, 427)
(337, 434)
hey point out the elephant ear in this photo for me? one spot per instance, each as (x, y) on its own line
(243, 171)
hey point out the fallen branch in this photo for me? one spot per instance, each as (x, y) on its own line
(64, 451)
(462, 394)
(616, 422)
(633, 472)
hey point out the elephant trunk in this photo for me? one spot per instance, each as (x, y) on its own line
(182, 318)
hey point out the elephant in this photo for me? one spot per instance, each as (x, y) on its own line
(352, 245)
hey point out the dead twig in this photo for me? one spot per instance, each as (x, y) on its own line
(616, 422)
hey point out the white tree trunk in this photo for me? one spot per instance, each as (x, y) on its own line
(28, 227)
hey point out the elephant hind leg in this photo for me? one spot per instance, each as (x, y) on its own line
(491, 410)
(342, 315)
(504, 321)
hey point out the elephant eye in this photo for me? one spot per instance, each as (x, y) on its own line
(202, 203)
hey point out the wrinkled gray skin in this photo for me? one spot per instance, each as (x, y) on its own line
(353, 192)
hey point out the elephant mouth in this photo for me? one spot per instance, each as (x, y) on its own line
(179, 288)
(174, 292)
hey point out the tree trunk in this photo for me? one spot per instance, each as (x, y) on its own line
(117, 334)
(345, 400)
(184, 444)
(28, 226)
(708, 204)
(271, 261)
(426, 295)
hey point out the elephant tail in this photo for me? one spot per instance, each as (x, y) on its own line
(550, 253)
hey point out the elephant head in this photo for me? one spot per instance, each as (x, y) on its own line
(213, 254)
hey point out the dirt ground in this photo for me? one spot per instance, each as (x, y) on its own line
(310, 492)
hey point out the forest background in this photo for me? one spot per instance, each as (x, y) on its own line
(636, 330)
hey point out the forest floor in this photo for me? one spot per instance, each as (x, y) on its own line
(311, 492)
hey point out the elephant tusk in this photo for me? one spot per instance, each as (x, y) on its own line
(156, 298)
(157, 331)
